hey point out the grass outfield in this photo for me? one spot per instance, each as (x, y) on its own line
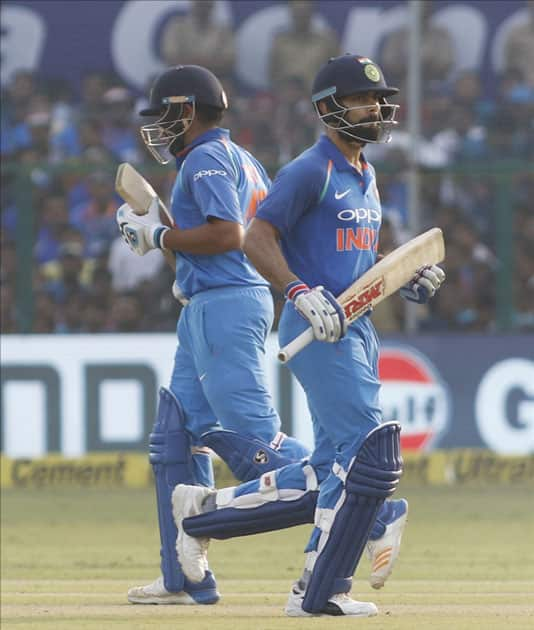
(68, 557)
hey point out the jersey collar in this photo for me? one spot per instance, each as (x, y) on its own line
(328, 148)
(207, 136)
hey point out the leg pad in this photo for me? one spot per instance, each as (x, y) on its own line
(372, 477)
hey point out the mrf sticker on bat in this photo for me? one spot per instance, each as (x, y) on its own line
(414, 395)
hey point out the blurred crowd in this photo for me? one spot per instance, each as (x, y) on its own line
(61, 145)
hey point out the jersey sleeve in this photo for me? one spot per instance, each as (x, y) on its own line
(295, 189)
(211, 180)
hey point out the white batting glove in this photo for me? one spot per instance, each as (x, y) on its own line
(141, 232)
(322, 310)
(424, 284)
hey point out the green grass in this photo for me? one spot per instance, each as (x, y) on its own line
(68, 557)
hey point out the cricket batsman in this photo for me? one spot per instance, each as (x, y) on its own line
(218, 395)
(314, 234)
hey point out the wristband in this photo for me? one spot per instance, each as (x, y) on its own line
(158, 236)
(295, 288)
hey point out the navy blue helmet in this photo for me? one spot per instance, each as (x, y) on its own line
(175, 97)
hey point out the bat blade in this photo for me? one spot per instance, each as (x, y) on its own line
(392, 272)
(383, 279)
(137, 192)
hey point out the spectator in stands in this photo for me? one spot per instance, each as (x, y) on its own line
(96, 217)
(95, 316)
(437, 51)
(467, 92)
(72, 272)
(39, 124)
(293, 104)
(299, 50)
(69, 318)
(54, 218)
(8, 314)
(523, 275)
(94, 86)
(15, 103)
(8, 279)
(462, 140)
(100, 290)
(126, 313)
(511, 128)
(199, 38)
(119, 134)
(519, 48)
(128, 270)
(44, 318)
(393, 184)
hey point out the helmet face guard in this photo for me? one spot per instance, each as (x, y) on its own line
(165, 131)
(376, 131)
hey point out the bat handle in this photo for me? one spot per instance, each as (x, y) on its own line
(293, 347)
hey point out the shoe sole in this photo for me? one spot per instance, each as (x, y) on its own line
(303, 613)
(378, 581)
(297, 611)
(184, 600)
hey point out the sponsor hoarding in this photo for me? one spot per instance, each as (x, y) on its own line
(81, 393)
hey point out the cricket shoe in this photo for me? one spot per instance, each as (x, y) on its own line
(192, 552)
(339, 605)
(383, 551)
(156, 593)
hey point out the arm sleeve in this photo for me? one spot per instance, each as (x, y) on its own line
(212, 183)
(295, 189)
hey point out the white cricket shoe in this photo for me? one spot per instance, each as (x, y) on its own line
(156, 593)
(383, 552)
(339, 605)
(192, 552)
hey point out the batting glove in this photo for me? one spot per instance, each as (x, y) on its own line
(321, 309)
(141, 232)
(424, 284)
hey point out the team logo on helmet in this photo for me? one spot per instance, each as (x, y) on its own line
(261, 457)
(372, 72)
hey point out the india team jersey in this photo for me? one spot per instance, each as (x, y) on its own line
(216, 178)
(328, 216)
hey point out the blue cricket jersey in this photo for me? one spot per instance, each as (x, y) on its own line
(216, 178)
(328, 216)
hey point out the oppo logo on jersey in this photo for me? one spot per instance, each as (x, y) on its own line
(359, 214)
(209, 173)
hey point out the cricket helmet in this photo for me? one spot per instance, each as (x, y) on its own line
(171, 92)
(348, 75)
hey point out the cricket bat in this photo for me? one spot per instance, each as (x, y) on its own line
(137, 192)
(387, 276)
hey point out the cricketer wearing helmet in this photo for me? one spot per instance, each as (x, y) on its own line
(218, 395)
(314, 234)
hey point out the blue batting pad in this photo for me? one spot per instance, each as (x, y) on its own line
(172, 463)
(372, 477)
(229, 522)
(247, 457)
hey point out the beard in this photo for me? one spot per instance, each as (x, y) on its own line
(177, 145)
(362, 134)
